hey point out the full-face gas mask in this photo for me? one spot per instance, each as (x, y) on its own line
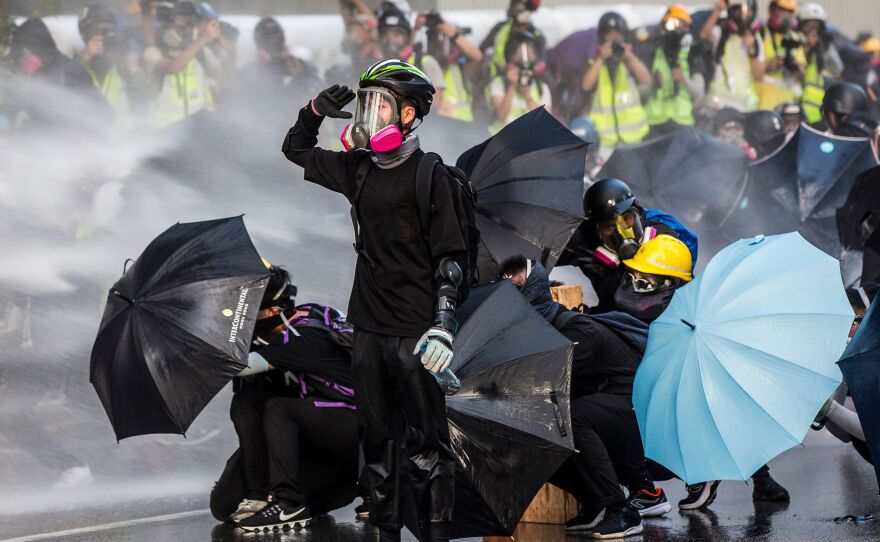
(376, 122)
(624, 241)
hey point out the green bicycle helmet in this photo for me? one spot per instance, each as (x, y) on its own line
(402, 79)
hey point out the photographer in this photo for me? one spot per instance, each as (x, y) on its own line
(519, 19)
(185, 88)
(459, 59)
(617, 78)
(731, 28)
(521, 89)
(822, 59)
(785, 60)
(676, 85)
(105, 58)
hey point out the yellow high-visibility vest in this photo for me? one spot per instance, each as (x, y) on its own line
(733, 83)
(617, 111)
(814, 90)
(779, 86)
(667, 104)
(456, 93)
(112, 88)
(182, 94)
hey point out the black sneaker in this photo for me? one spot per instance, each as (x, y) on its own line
(619, 522)
(649, 503)
(699, 495)
(585, 521)
(278, 516)
(766, 489)
(362, 511)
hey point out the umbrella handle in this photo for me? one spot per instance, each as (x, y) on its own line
(560, 423)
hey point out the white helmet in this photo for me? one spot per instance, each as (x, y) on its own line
(813, 12)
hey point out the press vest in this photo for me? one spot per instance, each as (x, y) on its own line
(182, 94)
(667, 104)
(814, 90)
(617, 111)
(112, 88)
(733, 82)
(779, 86)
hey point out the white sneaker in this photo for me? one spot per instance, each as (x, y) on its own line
(246, 509)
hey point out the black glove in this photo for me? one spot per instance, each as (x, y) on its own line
(331, 101)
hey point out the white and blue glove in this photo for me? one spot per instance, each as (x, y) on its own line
(436, 349)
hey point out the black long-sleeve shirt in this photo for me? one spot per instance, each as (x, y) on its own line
(394, 291)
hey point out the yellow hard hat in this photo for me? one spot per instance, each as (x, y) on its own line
(678, 11)
(663, 255)
(871, 45)
(787, 5)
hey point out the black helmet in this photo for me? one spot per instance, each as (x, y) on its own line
(844, 99)
(612, 21)
(764, 131)
(404, 80)
(517, 38)
(607, 199)
(392, 17)
(185, 8)
(95, 14)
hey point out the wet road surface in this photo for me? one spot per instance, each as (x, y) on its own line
(827, 481)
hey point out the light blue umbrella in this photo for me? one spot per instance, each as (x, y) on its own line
(741, 361)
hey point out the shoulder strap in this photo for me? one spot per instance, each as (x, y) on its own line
(424, 179)
(360, 176)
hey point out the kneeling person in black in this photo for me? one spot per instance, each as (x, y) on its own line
(296, 422)
(405, 286)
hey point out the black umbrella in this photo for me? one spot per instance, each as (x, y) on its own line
(800, 188)
(509, 423)
(859, 217)
(177, 326)
(860, 365)
(687, 173)
(529, 183)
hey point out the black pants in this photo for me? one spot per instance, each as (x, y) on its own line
(313, 452)
(309, 454)
(402, 418)
(606, 435)
(246, 411)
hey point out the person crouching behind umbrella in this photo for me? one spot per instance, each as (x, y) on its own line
(293, 412)
(651, 277)
(604, 427)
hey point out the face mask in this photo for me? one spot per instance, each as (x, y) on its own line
(645, 307)
(523, 17)
(625, 239)
(875, 62)
(31, 64)
(370, 130)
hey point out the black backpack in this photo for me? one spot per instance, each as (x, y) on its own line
(330, 320)
(464, 197)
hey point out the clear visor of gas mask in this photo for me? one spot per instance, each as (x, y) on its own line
(376, 109)
(624, 231)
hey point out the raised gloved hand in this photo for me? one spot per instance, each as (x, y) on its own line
(332, 100)
(436, 348)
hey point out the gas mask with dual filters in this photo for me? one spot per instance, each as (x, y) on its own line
(377, 125)
(624, 241)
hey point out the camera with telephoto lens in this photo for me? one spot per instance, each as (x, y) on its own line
(618, 48)
(526, 75)
(789, 44)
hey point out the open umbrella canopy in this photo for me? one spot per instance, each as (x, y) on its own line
(687, 173)
(529, 179)
(801, 186)
(741, 361)
(860, 365)
(858, 218)
(177, 326)
(509, 423)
